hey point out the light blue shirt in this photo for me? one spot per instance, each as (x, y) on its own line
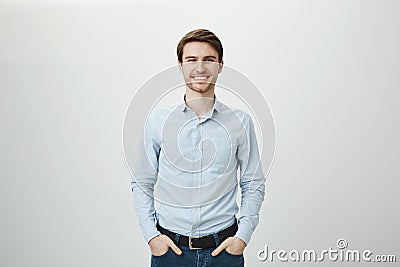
(188, 167)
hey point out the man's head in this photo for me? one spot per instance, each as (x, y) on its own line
(200, 58)
(200, 35)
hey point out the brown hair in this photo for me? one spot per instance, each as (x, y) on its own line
(200, 35)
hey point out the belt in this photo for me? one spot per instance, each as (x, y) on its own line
(200, 242)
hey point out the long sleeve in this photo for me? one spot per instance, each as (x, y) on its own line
(145, 173)
(252, 182)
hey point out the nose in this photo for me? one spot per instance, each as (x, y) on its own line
(200, 68)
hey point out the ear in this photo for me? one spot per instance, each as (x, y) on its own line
(221, 65)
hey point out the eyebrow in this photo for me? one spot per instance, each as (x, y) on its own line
(191, 57)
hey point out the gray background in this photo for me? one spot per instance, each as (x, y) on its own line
(329, 69)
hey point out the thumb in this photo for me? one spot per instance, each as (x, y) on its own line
(175, 248)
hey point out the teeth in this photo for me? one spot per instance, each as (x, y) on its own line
(200, 78)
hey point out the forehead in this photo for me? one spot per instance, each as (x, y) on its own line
(199, 49)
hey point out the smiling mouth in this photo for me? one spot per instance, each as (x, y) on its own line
(200, 78)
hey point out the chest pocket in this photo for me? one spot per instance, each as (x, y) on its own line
(225, 151)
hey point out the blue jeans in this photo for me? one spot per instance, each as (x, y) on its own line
(197, 258)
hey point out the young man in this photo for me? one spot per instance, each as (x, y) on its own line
(192, 151)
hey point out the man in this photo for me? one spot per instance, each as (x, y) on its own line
(192, 151)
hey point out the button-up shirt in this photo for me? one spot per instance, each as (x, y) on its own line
(188, 166)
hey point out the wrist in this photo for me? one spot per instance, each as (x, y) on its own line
(153, 238)
(241, 241)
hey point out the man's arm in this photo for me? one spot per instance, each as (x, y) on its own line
(145, 173)
(252, 182)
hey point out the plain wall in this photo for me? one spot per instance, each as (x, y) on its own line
(68, 70)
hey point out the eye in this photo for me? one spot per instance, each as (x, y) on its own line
(210, 59)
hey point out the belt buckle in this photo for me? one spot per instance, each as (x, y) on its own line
(190, 242)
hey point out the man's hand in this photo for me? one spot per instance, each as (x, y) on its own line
(160, 244)
(232, 245)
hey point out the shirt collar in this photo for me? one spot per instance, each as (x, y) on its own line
(217, 105)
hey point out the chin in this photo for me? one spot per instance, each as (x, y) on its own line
(200, 88)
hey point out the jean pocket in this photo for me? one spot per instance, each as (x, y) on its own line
(162, 255)
(232, 255)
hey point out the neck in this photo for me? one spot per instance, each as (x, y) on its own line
(200, 103)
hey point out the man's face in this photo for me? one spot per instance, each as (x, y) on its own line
(200, 66)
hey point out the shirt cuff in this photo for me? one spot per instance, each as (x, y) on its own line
(150, 232)
(244, 232)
